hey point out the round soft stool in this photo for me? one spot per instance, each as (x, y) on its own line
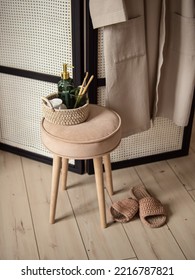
(93, 139)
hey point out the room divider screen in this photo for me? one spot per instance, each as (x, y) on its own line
(37, 37)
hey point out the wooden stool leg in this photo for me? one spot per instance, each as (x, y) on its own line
(64, 172)
(108, 173)
(54, 187)
(100, 189)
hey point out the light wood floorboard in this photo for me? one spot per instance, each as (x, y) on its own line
(160, 180)
(146, 242)
(25, 232)
(17, 237)
(61, 240)
(100, 244)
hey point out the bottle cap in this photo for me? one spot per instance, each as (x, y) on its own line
(65, 74)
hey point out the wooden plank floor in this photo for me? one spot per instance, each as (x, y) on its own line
(24, 209)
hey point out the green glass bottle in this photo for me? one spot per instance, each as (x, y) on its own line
(66, 89)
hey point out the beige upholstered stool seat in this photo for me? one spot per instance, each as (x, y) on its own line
(95, 138)
(99, 135)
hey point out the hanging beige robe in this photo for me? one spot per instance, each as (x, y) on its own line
(149, 49)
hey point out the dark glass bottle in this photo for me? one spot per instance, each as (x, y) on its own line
(66, 89)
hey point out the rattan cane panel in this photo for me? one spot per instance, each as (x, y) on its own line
(101, 62)
(21, 113)
(36, 35)
(163, 136)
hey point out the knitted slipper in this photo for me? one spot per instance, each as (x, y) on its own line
(124, 210)
(151, 211)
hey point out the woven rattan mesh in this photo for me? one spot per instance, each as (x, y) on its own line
(101, 62)
(21, 112)
(36, 35)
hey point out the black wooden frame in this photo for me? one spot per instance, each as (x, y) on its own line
(91, 64)
(77, 9)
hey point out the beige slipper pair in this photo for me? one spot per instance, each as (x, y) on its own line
(151, 210)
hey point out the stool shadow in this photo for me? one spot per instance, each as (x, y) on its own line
(61, 218)
(123, 189)
(64, 217)
(82, 210)
(71, 186)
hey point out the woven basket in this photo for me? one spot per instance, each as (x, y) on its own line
(63, 116)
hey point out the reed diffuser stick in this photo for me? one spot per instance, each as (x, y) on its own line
(82, 86)
(87, 85)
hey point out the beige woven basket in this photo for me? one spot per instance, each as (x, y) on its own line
(63, 116)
